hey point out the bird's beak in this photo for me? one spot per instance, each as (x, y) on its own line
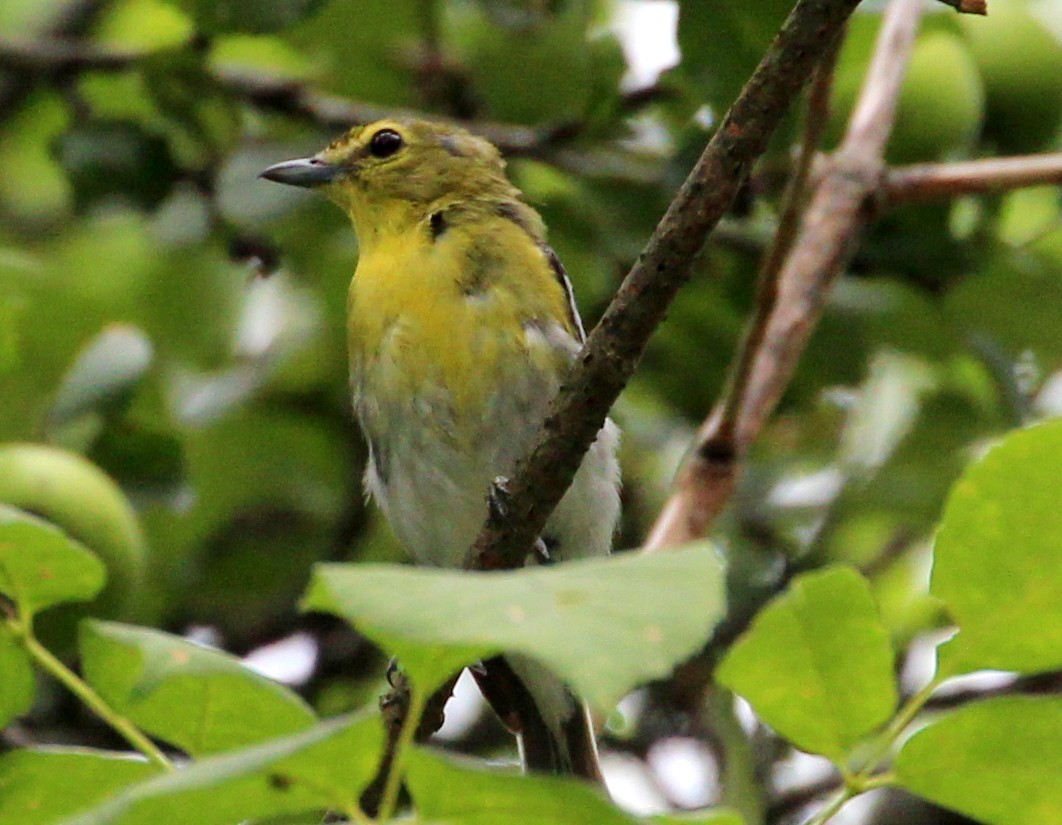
(305, 172)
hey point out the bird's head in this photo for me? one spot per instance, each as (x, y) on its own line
(396, 163)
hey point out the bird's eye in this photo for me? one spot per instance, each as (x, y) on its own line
(385, 143)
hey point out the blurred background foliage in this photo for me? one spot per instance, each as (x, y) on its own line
(179, 322)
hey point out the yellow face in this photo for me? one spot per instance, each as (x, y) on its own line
(393, 160)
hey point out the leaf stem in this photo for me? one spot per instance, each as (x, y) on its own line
(52, 665)
(389, 799)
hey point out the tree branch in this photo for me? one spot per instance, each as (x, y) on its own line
(612, 352)
(707, 478)
(938, 181)
(832, 224)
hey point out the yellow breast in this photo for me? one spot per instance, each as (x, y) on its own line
(450, 311)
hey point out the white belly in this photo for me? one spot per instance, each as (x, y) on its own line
(430, 474)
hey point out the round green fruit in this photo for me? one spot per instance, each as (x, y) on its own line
(941, 102)
(1021, 64)
(75, 495)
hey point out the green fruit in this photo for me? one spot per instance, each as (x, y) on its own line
(1021, 64)
(75, 495)
(941, 103)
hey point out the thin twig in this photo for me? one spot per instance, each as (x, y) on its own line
(615, 346)
(832, 224)
(840, 209)
(706, 480)
(941, 181)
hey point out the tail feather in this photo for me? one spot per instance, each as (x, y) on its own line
(556, 734)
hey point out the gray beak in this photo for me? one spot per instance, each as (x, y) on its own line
(305, 172)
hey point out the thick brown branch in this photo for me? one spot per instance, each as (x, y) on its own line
(616, 344)
(939, 181)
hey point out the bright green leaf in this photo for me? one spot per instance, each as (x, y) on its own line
(998, 557)
(817, 664)
(41, 566)
(39, 787)
(16, 679)
(445, 790)
(325, 767)
(604, 625)
(998, 761)
(201, 700)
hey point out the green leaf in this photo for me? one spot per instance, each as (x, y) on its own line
(201, 700)
(998, 557)
(603, 625)
(325, 767)
(446, 790)
(41, 786)
(997, 761)
(41, 566)
(16, 680)
(817, 664)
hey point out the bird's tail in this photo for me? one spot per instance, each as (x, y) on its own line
(554, 727)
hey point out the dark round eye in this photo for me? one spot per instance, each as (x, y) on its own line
(385, 143)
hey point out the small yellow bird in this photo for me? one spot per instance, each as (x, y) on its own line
(461, 324)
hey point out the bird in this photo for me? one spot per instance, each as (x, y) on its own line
(461, 323)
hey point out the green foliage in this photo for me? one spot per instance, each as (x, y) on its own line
(995, 761)
(41, 566)
(323, 767)
(816, 664)
(605, 625)
(200, 700)
(175, 416)
(46, 785)
(998, 558)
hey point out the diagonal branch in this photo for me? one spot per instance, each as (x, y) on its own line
(790, 306)
(615, 346)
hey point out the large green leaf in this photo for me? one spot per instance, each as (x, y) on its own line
(325, 767)
(445, 790)
(998, 557)
(40, 787)
(604, 625)
(817, 664)
(201, 700)
(16, 678)
(998, 761)
(41, 566)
